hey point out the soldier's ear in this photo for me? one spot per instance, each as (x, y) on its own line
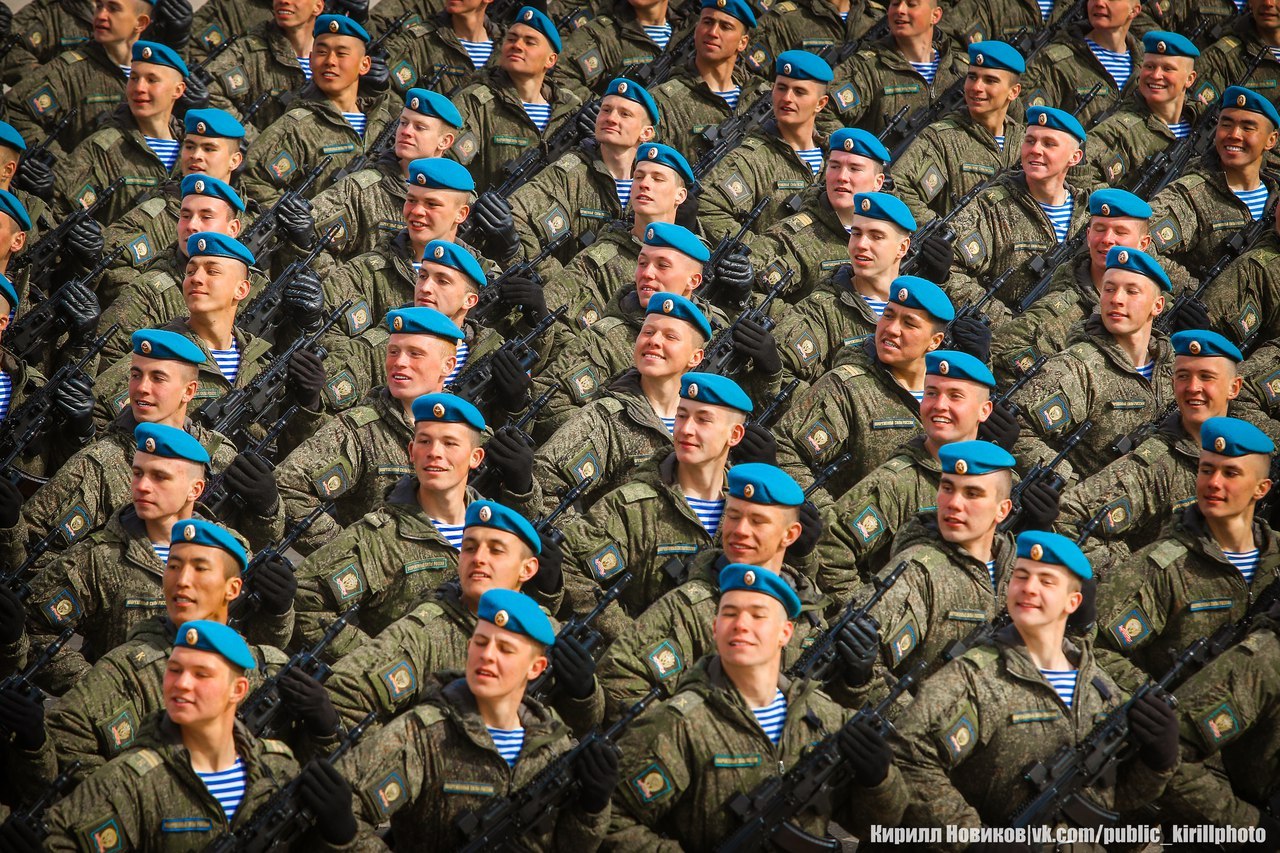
(552, 59)
(477, 456)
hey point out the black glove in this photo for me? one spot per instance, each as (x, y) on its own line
(858, 643)
(1081, 621)
(735, 276)
(17, 837)
(492, 215)
(1001, 427)
(972, 336)
(170, 23)
(35, 175)
(526, 293)
(6, 19)
(13, 616)
(23, 714)
(1191, 314)
(575, 668)
(752, 340)
(687, 213)
(866, 752)
(310, 703)
(356, 10)
(196, 96)
(757, 445)
(587, 119)
(327, 795)
(1039, 505)
(10, 506)
(933, 261)
(296, 221)
(249, 477)
(511, 457)
(550, 575)
(378, 77)
(597, 772)
(811, 526)
(275, 585)
(510, 381)
(306, 378)
(1155, 728)
(79, 308)
(84, 242)
(304, 299)
(74, 400)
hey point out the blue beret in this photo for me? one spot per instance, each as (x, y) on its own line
(339, 25)
(218, 638)
(212, 122)
(883, 206)
(1113, 202)
(803, 65)
(1055, 549)
(8, 293)
(1056, 119)
(421, 320)
(915, 292)
(166, 346)
(452, 255)
(1234, 437)
(999, 55)
(447, 409)
(974, 457)
(516, 612)
(158, 54)
(675, 305)
(1202, 342)
(715, 390)
(1169, 44)
(201, 184)
(668, 235)
(10, 137)
(495, 515)
(739, 9)
(169, 442)
(633, 91)
(440, 173)
(656, 152)
(1240, 98)
(1136, 260)
(15, 209)
(755, 579)
(431, 103)
(531, 17)
(200, 532)
(855, 140)
(764, 484)
(218, 245)
(954, 364)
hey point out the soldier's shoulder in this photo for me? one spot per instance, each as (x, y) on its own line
(360, 416)
(142, 761)
(1056, 52)
(1166, 552)
(795, 223)
(106, 139)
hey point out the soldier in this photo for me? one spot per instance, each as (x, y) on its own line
(329, 118)
(1118, 369)
(448, 50)
(972, 145)
(483, 728)
(1243, 300)
(44, 28)
(1209, 564)
(627, 36)
(218, 21)
(964, 744)
(816, 25)
(777, 158)
(1242, 57)
(30, 179)
(1196, 214)
(737, 705)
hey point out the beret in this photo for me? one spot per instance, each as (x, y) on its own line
(1203, 342)
(803, 65)
(452, 255)
(633, 91)
(213, 244)
(764, 484)
(1169, 44)
(974, 457)
(954, 364)
(9, 136)
(216, 637)
(1055, 549)
(855, 140)
(1234, 437)
(715, 390)
(421, 320)
(1113, 202)
(535, 19)
(440, 173)
(166, 346)
(339, 25)
(739, 9)
(656, 152)
(883, 206)
(169, 442)
(1056, 119)
(498, 517)
(515, 611)
(1240, 98)
(201, 184)
(8, 293)
(675, 305)
(211, 122)
(755, 579)
(431, 103)
(158, 54)
(447, 409)
(999, 55)
(668, 235)
(915, 292)
(15, 210)
(197, 531)
(1136, 260)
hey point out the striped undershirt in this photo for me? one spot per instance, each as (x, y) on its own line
(463, 351)
(876, 305)
(991, 570)
(228, 361)
(539, 114)
(1275, 51)
(669, 423)
(1180, 129)
(357, 120)
(452, 533)
(772, 717)
(127, 69)
(730, 96)
(305, 62)
(999, 143)
(1046, 9)
(227, 787)
(1063, 682)
(162, 550)
(478, 51)
(1059, 217)
(623, 187)
(919, 395)
(6, 393)
(509, 743)
(1117, 63)
(1146, 371)
(927, 70)
(812, 158)
(1255, 200)
(708, 512)
(1246, 562)
(165, 149)
(659, 35)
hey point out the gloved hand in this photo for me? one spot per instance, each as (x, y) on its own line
(550, 576)
(6, 20)
(10, 506)
(306, 378)
(304, 299)
(170, 23)
(84, 242)
(74, 400)
(13, 616)
(933, 261)
(757, 445)
(751, 340)
(1155, 728)
(79, 309)
(1081, 621)
(511, 458)
(1001, 427)
(866, 752)
(858, 643)
(35, 174)
(597, 773)
(526, 293)
(575, 668)
(356, 10)
(309, 701)
(734, 276)
(587, 119)
(1191, 314)
(972, 336)
(326, 794)
(297, 221)
(491, 214)
(1039, 505)
(23, 714)
(17, 837)
(249, 478)
(510, 381)
(196, 96)
(378, 77)
(275, 585)
(811, 526)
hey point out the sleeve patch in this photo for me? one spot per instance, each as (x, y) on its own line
(333, 482)
(556, 223)
(358, 318)
(607, 562)
(466, 148)
(404, 74)
(389, 794)
(903, 642)
(868, 526)
(341, 389)
(120, 731)
(400, 680)
(806, 347)
(1053, 412)
(818, 436)
(933, 181)
(140, 250)
(1165, 234)
(1271, 387)
(584, 384)
(973, 248)
(63, 609)
(652, 783)
(1220, 725)
(585, 467)
(959, 738)
(1118, 514)
(736, 188)
(43, 100)
(758, 60)
(104, 837)
(237, 82)
(74, 524)
(282, 165)
(846, 97)
(347, 583)
(1115, 168)
(591, 64)
(1247, 320)
(665, 661)
(1131, 628)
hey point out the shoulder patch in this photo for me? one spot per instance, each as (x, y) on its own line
(868, 525)
(664, 660)
(347, 583)
(1131, 628)
(607, 562)
(142, 761)
(276, 747)
(119, 731)
(1220, 725)
(652, 783)
(333, 482)
(399, 680)
(1164, 554)
(960, 735)
(388, 794)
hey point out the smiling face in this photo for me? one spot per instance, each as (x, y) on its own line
(492, 559)
(1227, 486)
(849, 173)
(704, 433)
(153, 89)
(200, 687)
(1047, 154)
(200, 582)
(751, 629)
(444, 454)
(1041, 594)
(987, 91)
(501, 662)
(663, 270)
(904, 335)
(1164, 79)
(970, 506)
(952, 409)
(1204, 387)
(1107, 231)
(1128, 301)
(418, 364)
(433, 214)
(911, 18)
(757, 534)
(667, 347)
(449, 291)
(160, 389)
(214, 284)
(337, 61)
(1242, 137)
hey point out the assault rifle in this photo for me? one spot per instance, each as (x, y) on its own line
(1006, 396)
(940, 226)
(950, 100)
(42, 256)
(728, 246)
(770, 414)
(1128, 443)
(566, 136)
(827, 472)
(247, 602)
(382, 143)
(32, 817)
(1047, 472)
(41, 327)
(23, 683)
(475, 383)
(720, 356)
(822, 652)
(490, 301)
(656, 72)
(581, 628)
(258, 237)
(483, 478)
(201, 69)
(215, 496)
(1045, 265)
(728, 135)
(1033, 44)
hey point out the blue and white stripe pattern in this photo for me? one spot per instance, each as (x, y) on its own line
(1063, 682)
(708, 512)
(927, 70)
(1146, 371)
(999, 143)
(357, 120)
(1255, 200)
(659, 35)
(228, 361)
(478, 51)
(1117, 63)
(6, 393)
(539, 114)
(730, 96)
(1246, 562)
(1275, 51)
(464, 350)
(1179, 129)
(509, 743)
(623, 187)
(1046, 9)
(305, 62)
(1059, 217)
(991, 571)
(669, 423)
(772, 717)
(919, 395)
(227, 787)
(162, 550)
(127, 69)
(812, 158)
(452, 533)
(876, 305)
(165, 149)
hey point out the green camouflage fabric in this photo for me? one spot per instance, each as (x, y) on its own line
(83, 78)
(609, 45)
(1120, 146)
(1225, 62)
(219, 20)
(874, 84)
(981, 20)
(597, 276)
(367, 208)
(261, 60)
(573, 195)
(688, 106)
(812, 242)
(813, 25)
(1189, 17)
(1065, 72)
(1193, 217)
(385, 13)
(47, 453)
(820, 327)
(1244, 300)
(47, 27)
(1261, 390)
(421, 51)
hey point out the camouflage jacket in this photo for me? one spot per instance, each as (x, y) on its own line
(1066, 71)
(82, 78)
(1195, 215)
(260, 61)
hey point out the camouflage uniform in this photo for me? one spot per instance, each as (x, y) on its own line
(983, 20)
(609, 45)
(671, 798)
(116, 150)
(1188, 16)
(366, 206)
(1064, 73)
(881, 82)
(46, 454)
(420, 51)
(383, 14)
(820, 327)
(1224, 63)
(219, 20)
(83, 78)
(438, 760)
(1193, 217)
(1244, 301)
(813, 242)
(811, 25)
(262, 60)
(1261, 391)
(688, 106)
(1121, 144)
(596, 277)
(1179, 589)
(46, 27)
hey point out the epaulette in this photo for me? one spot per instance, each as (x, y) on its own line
(377, 519)
(1058, 52)
(696, 593)
(849, 371)
(785, 6)
(983, 656)
(1164, 554)
(366, 178)
(947, 124)
(482, 94)
(566, 162)
(1127, 118)
(798, 222)
(72, 56)
(429, 713)
(632, 492)
(684, 702)
(896, 463)
(611, 405)
(607, 324)
(108, 138)
(602, 251)
(427, 612)
(1230, 44)
(271, 656)
(362, 416)
(377, 335)
(162, 281)
(376, 260)
(146, 655)
(276, 747)
(297, 113)
(752, 142)
(142, 761)
(153, 206)
(1151, 451)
